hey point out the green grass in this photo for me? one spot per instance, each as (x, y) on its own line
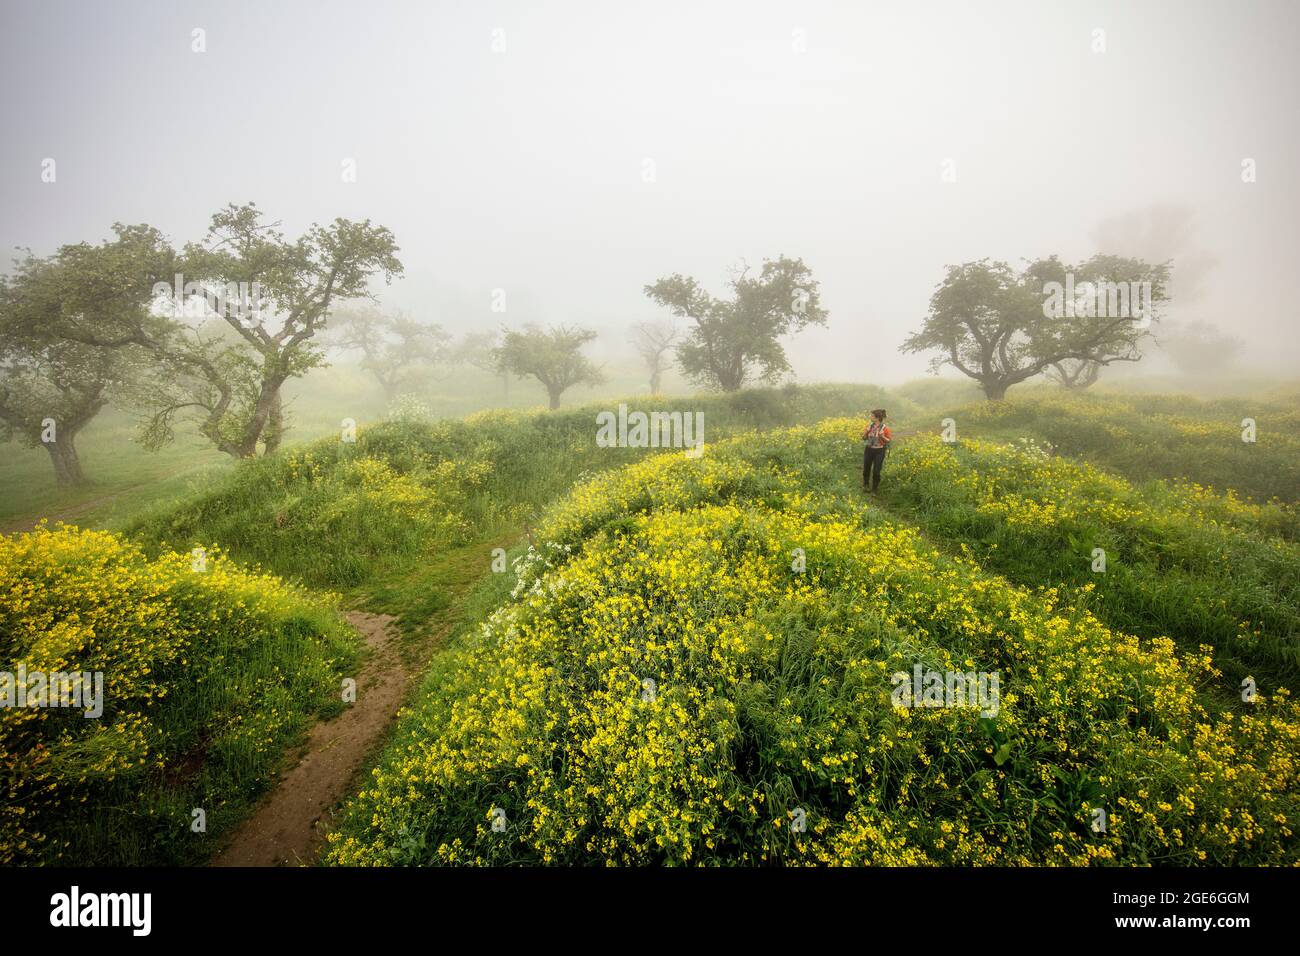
(345, 515)
(1199, 568)
(125, 478)
(208, 678)
(773, 697)
(1177, 437)
(404, 521)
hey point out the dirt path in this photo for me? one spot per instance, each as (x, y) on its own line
(288, 828)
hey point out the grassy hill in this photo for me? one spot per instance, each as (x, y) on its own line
(1176, 437)
(684, 656)
(693, 664)
(208, 673)
(212, 676)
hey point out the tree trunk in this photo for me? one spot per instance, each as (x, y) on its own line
(729, 383)
(258, 430)
(1082, 377)
(63, 455)
(994, 391)
(654, 384)
(274, 433)
(555, 394)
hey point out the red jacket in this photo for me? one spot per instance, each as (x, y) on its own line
(886, 436)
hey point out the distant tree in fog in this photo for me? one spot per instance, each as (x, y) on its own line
(998, 326)
(1199, 348)
(737, 339)
(478, 350)
(475, 348)
(393, 346)
(1161, 232)
(1074, 373)
(552, 356)
(652, 341)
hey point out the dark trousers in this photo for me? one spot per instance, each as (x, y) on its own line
(872, 462)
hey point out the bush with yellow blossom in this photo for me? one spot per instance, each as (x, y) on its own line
(694, 667)
(209, 673)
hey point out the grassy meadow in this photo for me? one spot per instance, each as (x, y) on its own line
(671, 659)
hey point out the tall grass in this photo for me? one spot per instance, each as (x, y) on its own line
(208, 676)
(341, 514)
(769, 700)
(1176, 437)
(1189, 564)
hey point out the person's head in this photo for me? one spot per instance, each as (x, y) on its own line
(878, 414)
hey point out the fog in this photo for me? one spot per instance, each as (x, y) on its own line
(570, 153)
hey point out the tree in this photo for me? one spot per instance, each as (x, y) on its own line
(1075, 373)
(552, 356)
(52, 386)
(479, 350)
(736, 339)
(1001, 327)
(268, 297)
(652, 341)
(392, 346)
(1199, 348)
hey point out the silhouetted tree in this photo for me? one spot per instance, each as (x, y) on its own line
(1075, 373)
(652, 341)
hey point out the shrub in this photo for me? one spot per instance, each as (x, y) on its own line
(207, 677)
(770, 702)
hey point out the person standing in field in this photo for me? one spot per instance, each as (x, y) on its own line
(877, 437)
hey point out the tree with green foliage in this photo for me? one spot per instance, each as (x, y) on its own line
(1200, 348)
(49, 391)
(737, 339)
(478, 349)
(393, 346)
(53, 384)
(264, 299)
(552, 356)
(1001, 327)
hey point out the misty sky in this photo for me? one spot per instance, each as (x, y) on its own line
(817, 130)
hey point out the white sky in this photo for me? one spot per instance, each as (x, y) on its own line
(523, 169)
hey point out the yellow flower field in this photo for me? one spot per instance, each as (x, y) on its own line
(198, 658)
(695, 669)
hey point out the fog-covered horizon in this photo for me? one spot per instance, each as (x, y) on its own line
(572, 153)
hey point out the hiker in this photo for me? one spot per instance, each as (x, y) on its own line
(877, 437)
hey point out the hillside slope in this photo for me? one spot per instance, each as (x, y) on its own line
(696, 664)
